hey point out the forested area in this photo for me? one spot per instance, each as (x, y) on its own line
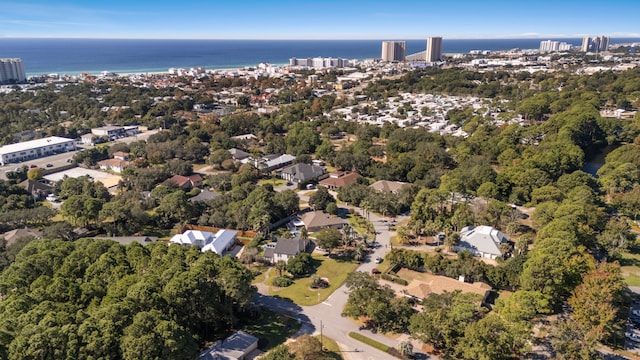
(97, 299)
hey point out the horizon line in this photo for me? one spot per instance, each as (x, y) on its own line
(630, 36)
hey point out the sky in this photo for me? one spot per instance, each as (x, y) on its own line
(318, 19)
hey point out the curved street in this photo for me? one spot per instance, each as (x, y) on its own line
(328, 313)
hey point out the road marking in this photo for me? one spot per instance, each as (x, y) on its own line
(326, 303)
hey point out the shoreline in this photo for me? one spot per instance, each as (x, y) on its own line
(155, 71)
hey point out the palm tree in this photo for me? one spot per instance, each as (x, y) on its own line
(280, 267)
(405, 348)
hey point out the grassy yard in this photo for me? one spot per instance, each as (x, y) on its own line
(359, 223)
(273, 181)
(332, 351)
(272, 329)
(630, 267)
(301, 293)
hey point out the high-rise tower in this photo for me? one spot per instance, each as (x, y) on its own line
(434, 49)
(12, 70)
(394, 50)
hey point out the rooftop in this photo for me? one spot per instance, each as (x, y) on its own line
(32, 144)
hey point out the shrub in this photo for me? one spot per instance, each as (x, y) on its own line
(282, 281)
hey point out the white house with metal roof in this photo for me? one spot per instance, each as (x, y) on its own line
(33, 149)
(206, 241)
(483, 241)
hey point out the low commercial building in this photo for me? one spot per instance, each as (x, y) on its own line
(28, 150)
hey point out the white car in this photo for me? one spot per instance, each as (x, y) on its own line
(378, 260)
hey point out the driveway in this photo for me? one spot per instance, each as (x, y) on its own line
(327, 315)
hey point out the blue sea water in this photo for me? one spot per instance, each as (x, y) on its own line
(74, 56)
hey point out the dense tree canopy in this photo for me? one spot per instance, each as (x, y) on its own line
(98, 299)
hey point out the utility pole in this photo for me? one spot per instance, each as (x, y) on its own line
(321, 326)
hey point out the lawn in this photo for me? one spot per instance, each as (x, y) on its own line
(272, 329)
(302, 294)
(273, 181)
(630, 268)
(359, 223)
(332, 351)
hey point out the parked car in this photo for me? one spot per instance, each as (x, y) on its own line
(378, 260)
(33, 166)
(632, 336)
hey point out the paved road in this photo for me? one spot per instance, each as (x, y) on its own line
(327, 313)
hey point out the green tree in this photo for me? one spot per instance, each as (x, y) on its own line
(280, 352)
(444, 319)
(494, 338)
(321, 198)
(300, 265)
(328, 238)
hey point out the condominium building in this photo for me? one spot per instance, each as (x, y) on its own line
(434, 49)
(321, 63)
(394, 50)
(552, 46)
(12, 71)
(595, 44)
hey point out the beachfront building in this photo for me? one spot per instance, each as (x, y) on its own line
(15, 153)
(12, 71)
(394, 50)
(434, 49)
(321, 63)
(553, 46)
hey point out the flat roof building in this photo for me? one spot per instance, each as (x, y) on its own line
(15, 153)
(434, 49)
(12, 71)
(394, 50)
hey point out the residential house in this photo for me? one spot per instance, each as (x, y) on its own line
(12, 236)
(285, 249)
(483, 241)
(270, 162)
(121, 155)
(238, 154)
(37, 189)
(436, 284)
(185, 182)
(388, 186)
(218, 243)
(301, 173)
(116, 165)
(236, 347)
(339, 179)
(316, 220)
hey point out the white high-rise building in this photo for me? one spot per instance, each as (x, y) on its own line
(12, 70)
(434, 49)
(394, 50)
(552, 46)
(595, 44)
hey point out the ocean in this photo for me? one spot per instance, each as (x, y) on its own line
(74, 56)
